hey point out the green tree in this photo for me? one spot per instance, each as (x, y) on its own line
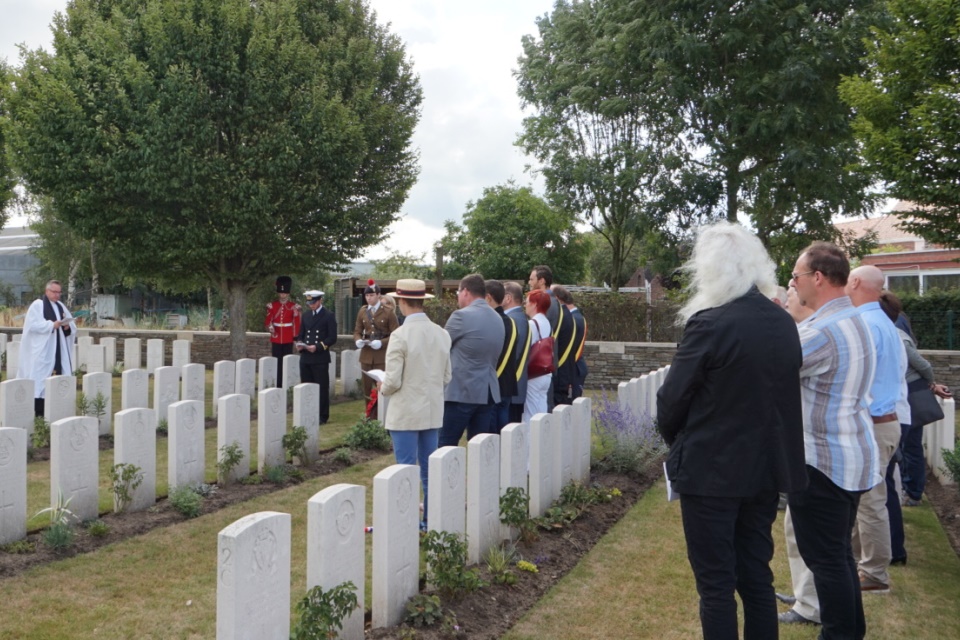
(588, 130)
(6, 173)
(908, 112)
(755, 122)
(400, 264)
(600, 263)
(509, 230)
(226, 138)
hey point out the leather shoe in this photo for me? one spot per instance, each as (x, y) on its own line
(785, 599)
(792, 617)
(901, 561)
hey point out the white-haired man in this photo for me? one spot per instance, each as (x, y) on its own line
(730, 410)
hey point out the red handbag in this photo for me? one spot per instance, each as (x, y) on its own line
(541, 356)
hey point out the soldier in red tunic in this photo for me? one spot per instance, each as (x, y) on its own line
(283, 323)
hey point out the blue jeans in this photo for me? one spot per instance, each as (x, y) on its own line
(501, 415)
(415, 447)
(457, 416)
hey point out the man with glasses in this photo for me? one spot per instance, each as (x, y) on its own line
(46, 347)
(839, 362)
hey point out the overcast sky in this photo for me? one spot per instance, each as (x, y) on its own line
(464, 53)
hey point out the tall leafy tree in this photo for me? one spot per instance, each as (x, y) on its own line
(907, 102)
(6, 172)
(226, 138)
(509, 230)
(749, 108)
(587, 129)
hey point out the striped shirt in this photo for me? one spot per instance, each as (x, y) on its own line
(839, 360)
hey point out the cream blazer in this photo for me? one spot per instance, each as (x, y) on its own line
(418, 367)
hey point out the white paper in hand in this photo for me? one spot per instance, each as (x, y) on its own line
(376, 374)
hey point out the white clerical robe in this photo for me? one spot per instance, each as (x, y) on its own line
(38, 346)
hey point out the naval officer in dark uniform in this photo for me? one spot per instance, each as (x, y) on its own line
(318, 332)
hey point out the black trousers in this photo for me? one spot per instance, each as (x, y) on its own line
(278, 351)
(730, 545)
(824, 515)
(319, 373)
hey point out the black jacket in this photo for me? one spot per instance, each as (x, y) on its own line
(730, 405)
(319, 329)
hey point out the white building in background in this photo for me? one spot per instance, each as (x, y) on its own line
(15, 259)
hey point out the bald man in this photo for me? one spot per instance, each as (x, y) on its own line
(871, 535)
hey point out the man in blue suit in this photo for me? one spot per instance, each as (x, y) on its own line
(318, 332)
(476, 336)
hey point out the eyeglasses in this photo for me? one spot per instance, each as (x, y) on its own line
(796, 276)
(53, 291)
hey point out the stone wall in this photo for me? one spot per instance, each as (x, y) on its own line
(610, 362)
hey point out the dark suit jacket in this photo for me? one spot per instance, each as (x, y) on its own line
(566, 349)
(476, 334)
(523, 332)
(319, 329)
(730, 405)
(581, 325)
(508, 378)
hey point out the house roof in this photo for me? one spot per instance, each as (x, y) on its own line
(886, 227)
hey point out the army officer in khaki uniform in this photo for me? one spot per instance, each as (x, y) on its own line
(372, 332)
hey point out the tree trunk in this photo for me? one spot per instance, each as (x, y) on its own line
(235, 295)
(72, 281)
(210, 308)
(616, 260)
(94, 284)
(733, 190)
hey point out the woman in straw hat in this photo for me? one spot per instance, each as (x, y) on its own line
(417, 368)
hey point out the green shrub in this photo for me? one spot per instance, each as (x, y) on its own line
(41, 433)
(19, 546)
(275, 474)
(934, 318)
(186, 501)
(59, 537)
(343, 455)
(423, 610)
(163, 427)
(368, 434)
(231, 455)
(446, 555)
(951, 463)
(125, 479)
(515, 512)
(321, 613)
(98, 528)
(295, 444)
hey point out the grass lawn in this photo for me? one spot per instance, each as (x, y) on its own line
(641, 566)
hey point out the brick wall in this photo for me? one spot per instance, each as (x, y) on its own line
(610, 362)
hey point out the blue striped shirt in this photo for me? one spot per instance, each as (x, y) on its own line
(891, 360)
(839, 361)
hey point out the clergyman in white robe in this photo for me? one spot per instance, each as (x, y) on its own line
(38, 346)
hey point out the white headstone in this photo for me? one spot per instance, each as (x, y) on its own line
(562, 447)
(4, 339)
(109, 353)
(13, 358)
(583, 429)
(155, 357)
(185, 444)
(83, 353)
(181, 353)
(96, 359)
(16, 404)
(135, 442)
(483, 495)
(623, 396)
(306, 414)
(332, 374)
(132, 352)
(16, 337)
(166, 389)
(653, 384)
(74, 462)
(100, 384)
(541, 464)
(233, 426)
(291, 370)
(271, 426)
(60, 398)
(193, 383)
(13, 484)
(514, 453)
(448, 490)
(267, 375)
(134, 389)
(246, 377)
(224, 381)
(253, 578)
(396, 542)
(350, 372)
(335, 546)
